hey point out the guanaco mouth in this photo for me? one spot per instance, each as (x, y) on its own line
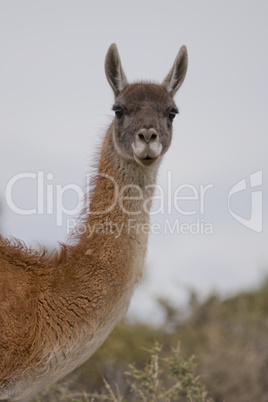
(147, 161)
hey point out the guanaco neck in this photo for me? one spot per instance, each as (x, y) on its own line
(118, 218)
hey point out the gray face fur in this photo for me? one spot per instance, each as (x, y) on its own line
(144, 112)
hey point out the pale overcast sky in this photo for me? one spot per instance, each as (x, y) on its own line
(55, 105)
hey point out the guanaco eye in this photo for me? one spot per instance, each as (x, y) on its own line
(172, 114)
(118, 111)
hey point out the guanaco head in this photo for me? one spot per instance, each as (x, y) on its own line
(144, 112)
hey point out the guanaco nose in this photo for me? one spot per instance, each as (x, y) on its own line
(147, 135)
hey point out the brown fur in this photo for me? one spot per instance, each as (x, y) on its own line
(55, 310)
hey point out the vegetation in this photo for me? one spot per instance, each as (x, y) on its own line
(229, 339)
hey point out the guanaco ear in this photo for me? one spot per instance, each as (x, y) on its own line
(176, 76)
(114, 71)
